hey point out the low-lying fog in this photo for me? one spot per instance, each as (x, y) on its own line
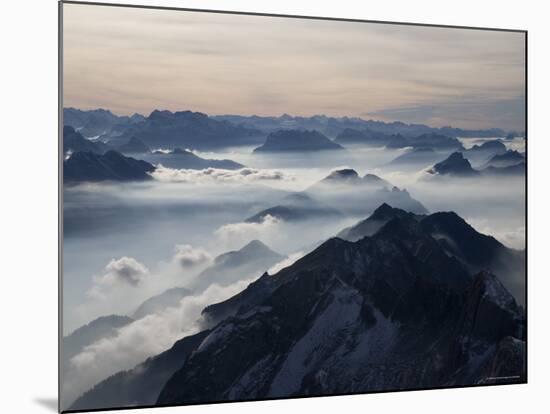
(124, 243)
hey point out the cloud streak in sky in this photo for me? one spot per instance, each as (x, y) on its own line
(134, 60)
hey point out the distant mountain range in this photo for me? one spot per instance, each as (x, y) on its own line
(378, 139)
(332, 126)
(296, 141)
(400, 308)
(195, 130)
(96, 122)
(165, 129)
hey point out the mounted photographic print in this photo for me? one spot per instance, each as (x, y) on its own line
(262, 206)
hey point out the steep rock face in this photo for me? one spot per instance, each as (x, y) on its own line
(297, 141)
(390, 311)
(478, 251)
(381, 313)
(111, 166)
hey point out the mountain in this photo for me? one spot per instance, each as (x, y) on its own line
(417, 158)
(73, 141)
(251, 260)
(100, 328)
(134, 146)
(478, 251)
(296, 207)
(390, 311)
(432, 140)
(368, 137)
(517, 169)
(168, 299)
(98, 122)
(474, 250)
(479, 154)
(506, 159)
(183, 159)
(332, 126)
(112, 166)
(351, 194)
(297, 141)
(455, 165)
(186, 129)
(141, 385)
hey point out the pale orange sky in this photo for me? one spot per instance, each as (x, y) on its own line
(136, 60)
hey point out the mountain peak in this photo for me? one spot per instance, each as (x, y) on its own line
(345, 174)
(384, 211)
(255, 246)
(455, 164)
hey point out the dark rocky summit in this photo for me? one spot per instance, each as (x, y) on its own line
(455, 165)
(111, 166)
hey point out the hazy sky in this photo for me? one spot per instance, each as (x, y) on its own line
(136, 60)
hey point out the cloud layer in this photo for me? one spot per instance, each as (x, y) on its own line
(209, 175)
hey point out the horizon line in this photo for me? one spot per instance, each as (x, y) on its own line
(289, 115)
